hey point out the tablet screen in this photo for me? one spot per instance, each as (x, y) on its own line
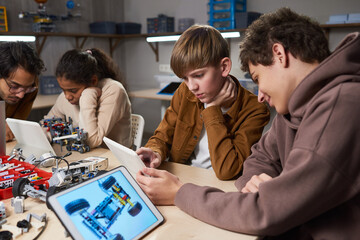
(170, 88)
(111, 206)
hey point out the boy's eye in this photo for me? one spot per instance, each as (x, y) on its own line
(199, 75)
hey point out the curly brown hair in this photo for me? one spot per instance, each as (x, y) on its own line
(299, 34)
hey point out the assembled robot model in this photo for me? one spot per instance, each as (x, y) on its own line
(74, 142)
(62, 178)
(44, 22)
(65, 134)
(104, 215)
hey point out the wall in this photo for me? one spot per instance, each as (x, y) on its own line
(140, 61)
(54, 47)
(134, 56)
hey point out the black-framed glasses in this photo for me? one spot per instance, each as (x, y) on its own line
(15, 88)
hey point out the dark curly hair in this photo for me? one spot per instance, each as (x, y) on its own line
(19, 54)
(300, 35)
(80, 66)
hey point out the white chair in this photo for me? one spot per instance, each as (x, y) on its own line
(137, 130)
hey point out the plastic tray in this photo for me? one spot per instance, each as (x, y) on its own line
(8, 176)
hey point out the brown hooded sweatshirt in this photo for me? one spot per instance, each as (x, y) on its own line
(313, 155)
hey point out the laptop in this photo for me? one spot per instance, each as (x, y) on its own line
(126, 156)
(30, 137)
(109, 206)
(170, 88)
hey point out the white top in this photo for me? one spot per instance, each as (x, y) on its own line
(201, 154)
(109, 116)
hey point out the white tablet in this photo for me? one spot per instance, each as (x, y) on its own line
(109, 206)
(126, 156)
(30, 137)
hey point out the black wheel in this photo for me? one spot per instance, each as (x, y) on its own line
(133, 211)
(118, 237)
(87, 148)
(81, 149)
(108, 182)
(51, 191)
(76, 206)
(19, 186)
(68, 147)
(101, 172)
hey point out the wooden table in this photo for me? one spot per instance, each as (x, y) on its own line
(152, 94)
(42, 101)
(177, 225)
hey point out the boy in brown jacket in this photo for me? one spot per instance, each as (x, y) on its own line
(302, 180)
(212, 121)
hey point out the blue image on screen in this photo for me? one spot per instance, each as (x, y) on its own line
(108, 208)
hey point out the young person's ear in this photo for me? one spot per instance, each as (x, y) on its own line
(94, 81)
(279, 54)
(225, 66)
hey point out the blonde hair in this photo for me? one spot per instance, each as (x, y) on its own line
(199, 46)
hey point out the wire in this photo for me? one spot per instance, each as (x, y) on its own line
(56, 157)
(42, 230)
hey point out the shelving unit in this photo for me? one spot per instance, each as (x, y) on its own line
(114, 39)
(3, 20)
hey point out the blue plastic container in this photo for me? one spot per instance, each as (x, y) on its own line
(222, 13)
(103, 27)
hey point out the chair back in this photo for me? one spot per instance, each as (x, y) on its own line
(137, 130)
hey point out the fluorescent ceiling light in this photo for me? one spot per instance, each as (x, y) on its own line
(230, 34)
(176, 37)
(163, 38)
(13, 38)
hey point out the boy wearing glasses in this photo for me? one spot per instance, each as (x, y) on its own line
(20, 67)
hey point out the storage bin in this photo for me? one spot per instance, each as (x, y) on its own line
(49, 85)
(152, 25)
(103, 27)
(185, 23)
(337, 19)
(353, 18)
(222, 13)
(128, 28)
(20, 170)
(161, 24)
(244, 19)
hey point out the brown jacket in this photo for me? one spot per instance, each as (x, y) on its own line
(313, 155)
(230, 135)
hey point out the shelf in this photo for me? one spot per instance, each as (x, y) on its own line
(114, 39)
(80, 38)
(328, 27)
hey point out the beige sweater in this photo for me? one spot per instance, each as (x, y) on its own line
(109, 116)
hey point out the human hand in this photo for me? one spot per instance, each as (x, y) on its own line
(253, 184)
(149, 157)
(9, 134)
(160, 185)
(226, 96)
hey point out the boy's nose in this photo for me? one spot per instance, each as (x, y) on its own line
(20, 94)
(192, 85)
(261, 96)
